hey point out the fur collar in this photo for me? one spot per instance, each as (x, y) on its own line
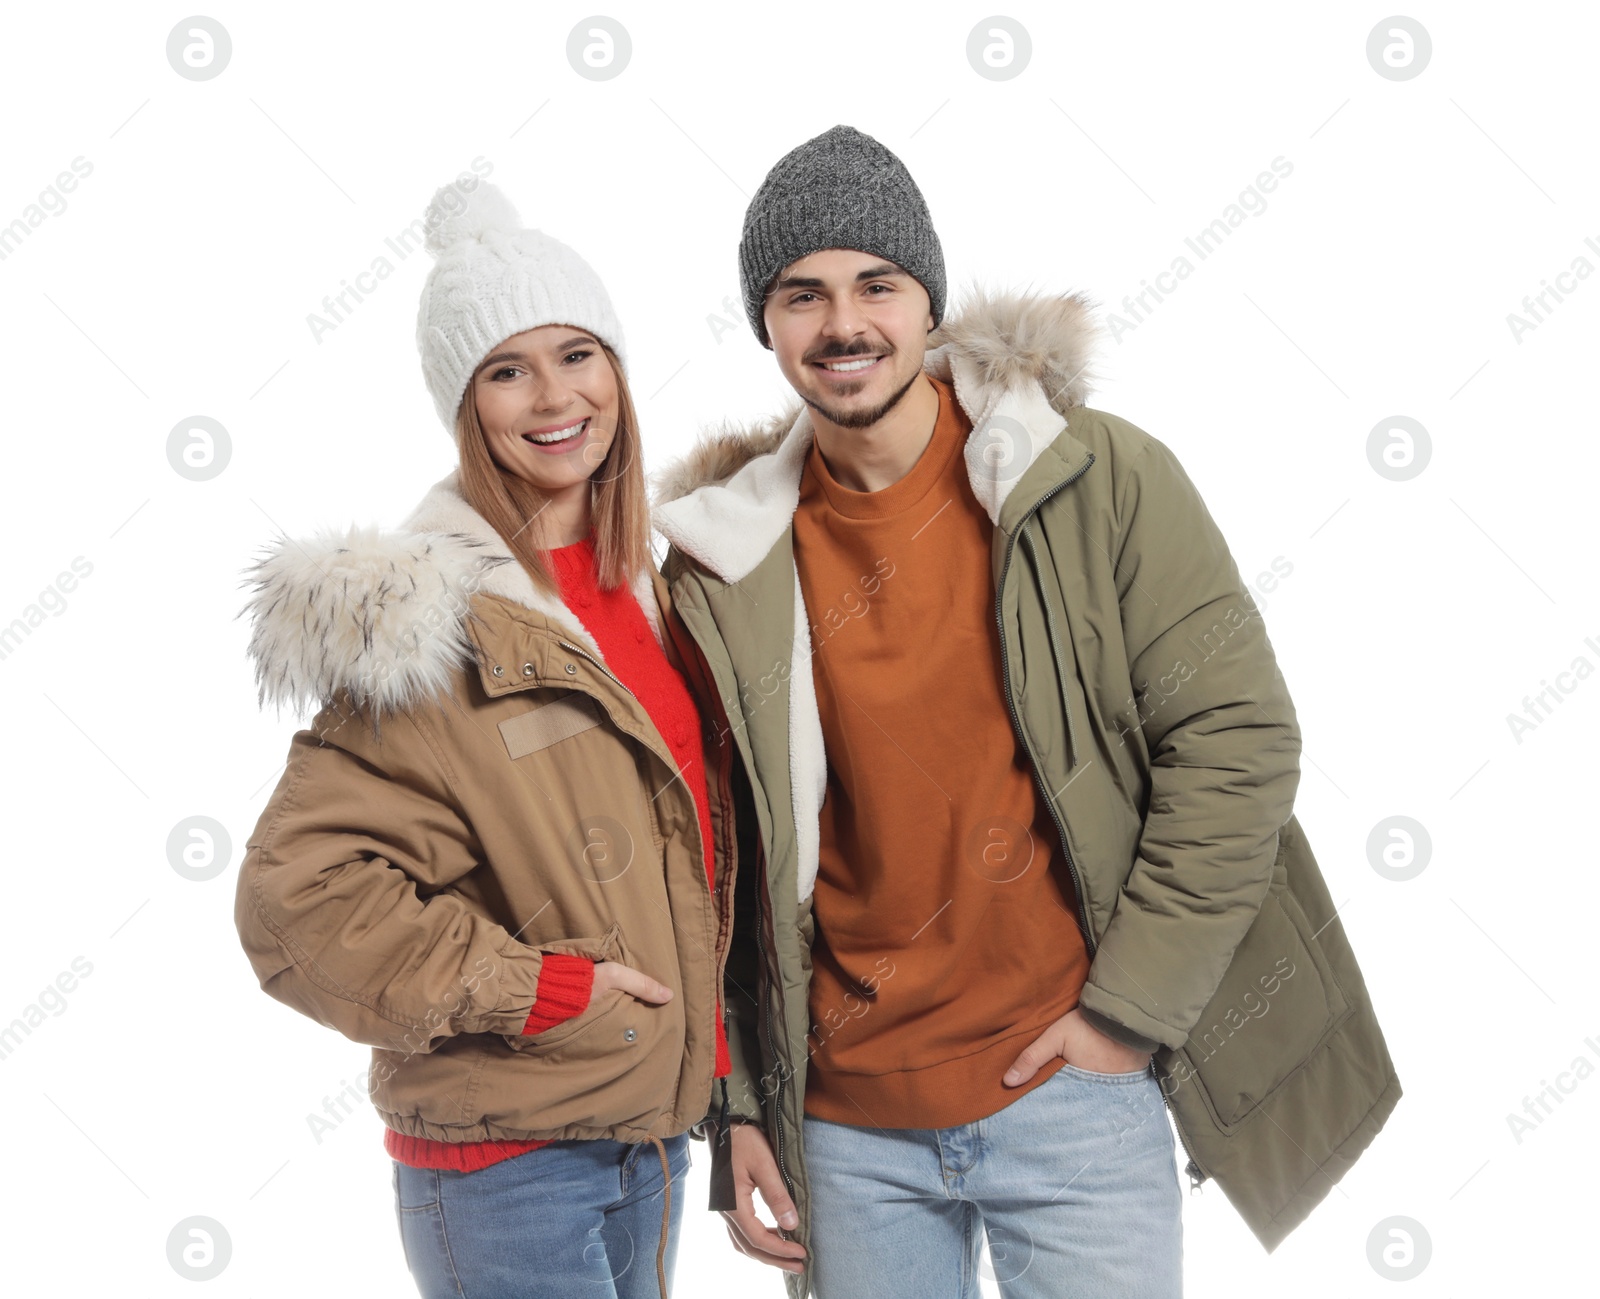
(1018, 363)
(384, 614)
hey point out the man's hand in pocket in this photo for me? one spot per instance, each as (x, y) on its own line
(1079, 1043)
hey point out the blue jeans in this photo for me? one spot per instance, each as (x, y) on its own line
(1074, 1183)
(573, 1217)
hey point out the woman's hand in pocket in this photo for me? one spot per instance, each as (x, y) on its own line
(614, 974)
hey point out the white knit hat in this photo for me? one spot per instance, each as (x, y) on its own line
(491, 279)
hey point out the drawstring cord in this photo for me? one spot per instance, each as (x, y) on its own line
(666, 1177)
(666, 1216)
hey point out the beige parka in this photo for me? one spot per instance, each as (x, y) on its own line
(478, 790)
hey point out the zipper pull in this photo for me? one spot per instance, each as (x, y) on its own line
(723, 1195)
(1195, 1176)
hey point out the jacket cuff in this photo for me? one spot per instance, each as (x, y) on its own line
(1118, 1032)
(565, 985)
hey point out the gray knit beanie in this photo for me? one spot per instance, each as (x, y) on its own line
(841, 189)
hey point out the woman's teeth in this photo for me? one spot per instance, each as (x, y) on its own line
(560, 435)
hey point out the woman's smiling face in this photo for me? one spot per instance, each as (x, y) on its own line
(547, 400)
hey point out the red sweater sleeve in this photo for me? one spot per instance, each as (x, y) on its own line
(565, 984)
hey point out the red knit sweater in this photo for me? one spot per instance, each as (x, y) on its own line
(618, 626)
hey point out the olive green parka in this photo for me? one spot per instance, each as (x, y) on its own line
(1145, 691)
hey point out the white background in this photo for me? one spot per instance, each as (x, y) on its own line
(1377, 282)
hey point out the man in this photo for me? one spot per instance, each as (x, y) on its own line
(1014, 768)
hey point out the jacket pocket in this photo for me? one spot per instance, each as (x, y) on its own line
(1276, 1005)
(607, 947)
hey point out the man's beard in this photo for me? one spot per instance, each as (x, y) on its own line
(865, 418)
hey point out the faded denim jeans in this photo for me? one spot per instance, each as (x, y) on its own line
(570, 1218)
(1075, 1185)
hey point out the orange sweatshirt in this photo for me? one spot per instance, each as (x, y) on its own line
(946, 927)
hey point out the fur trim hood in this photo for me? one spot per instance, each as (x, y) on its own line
(384, 614)
(1018, 363)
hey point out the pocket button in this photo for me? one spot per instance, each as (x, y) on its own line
(628, 1034)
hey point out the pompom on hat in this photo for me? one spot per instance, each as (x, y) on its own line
(493, 278)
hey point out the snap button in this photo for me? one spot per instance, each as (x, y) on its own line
(571, 668)
(498, 670)
(628, 1034)
(527, 669)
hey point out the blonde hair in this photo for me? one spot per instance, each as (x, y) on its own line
(512, 506)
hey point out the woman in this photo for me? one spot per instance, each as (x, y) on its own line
(491, 856)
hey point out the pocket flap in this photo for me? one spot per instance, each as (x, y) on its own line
(607, 947)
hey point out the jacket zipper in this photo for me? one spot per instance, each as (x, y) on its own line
(765, 898)
(727, 802)
(1196, 1172)
(585, 654)
(725, 791)
(766, 1007)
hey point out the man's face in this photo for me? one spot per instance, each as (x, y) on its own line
(849, 330)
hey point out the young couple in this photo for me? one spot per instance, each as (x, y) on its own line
(917, 836)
